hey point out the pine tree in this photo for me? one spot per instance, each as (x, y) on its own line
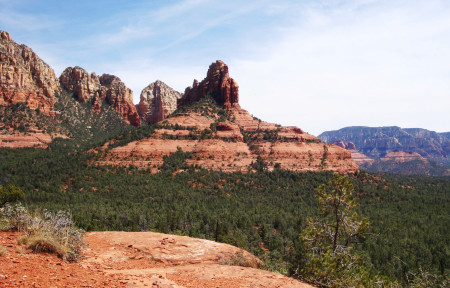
(329, 240)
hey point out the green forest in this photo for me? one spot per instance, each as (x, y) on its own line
(263, 212)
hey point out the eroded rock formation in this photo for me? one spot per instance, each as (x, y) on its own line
(24, 77)
(91, 88)
(231, 145)
(157, 101)
(79, 81)
(121, 98)
(217, 83)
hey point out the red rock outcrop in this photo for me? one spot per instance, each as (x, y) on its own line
(230, 145)
(402, 157)
(217, 83)
(157, 101)
(24, 77)
(228, 150)
(91, 88)
(137, 259)
(79, 81)
(121, 98)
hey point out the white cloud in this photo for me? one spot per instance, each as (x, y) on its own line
(320, 65)
(361, 64)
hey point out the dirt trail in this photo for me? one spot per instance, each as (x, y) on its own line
(138, 259)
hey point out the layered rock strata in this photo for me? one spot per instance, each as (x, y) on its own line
(231, 145)
(234, 144)
(91, 88)
(157, 101)
(358, 157)
(24, 77)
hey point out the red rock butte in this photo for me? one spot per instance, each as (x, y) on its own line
(218, 84)
(228, 145)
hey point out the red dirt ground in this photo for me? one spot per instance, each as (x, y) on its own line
(137, 259)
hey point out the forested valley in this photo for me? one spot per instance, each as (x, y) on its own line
(263, 212)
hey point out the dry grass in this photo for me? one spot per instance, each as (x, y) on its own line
(43, 244)
(22, 240)
(46, 231)
(239, 259)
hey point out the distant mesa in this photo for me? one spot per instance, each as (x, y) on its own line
(395, 149)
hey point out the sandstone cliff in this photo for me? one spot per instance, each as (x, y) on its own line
(218, 84)
(24, 77)
(157, 101)
(94, 89)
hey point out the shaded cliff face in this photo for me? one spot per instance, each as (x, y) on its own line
(91, 88)
(120, 97)
(218, 84)
(157, 102)
(393, 149)
(24, 77)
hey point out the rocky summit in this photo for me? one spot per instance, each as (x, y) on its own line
(206, 121)
(157, 102)
(218, 134)
(94, 89)
(217, 83)
(24, 77)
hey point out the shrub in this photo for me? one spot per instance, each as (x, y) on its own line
(43, 244)
(48, 232)
(15, 217)
(10, 193)
(239, 259)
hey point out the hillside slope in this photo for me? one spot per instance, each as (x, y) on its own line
(218, 134)
(90, 110)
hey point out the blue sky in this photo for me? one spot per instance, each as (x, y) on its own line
(318, 65)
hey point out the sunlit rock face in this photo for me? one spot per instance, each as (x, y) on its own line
(24, 77)
(157, 102)
(94, 89)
